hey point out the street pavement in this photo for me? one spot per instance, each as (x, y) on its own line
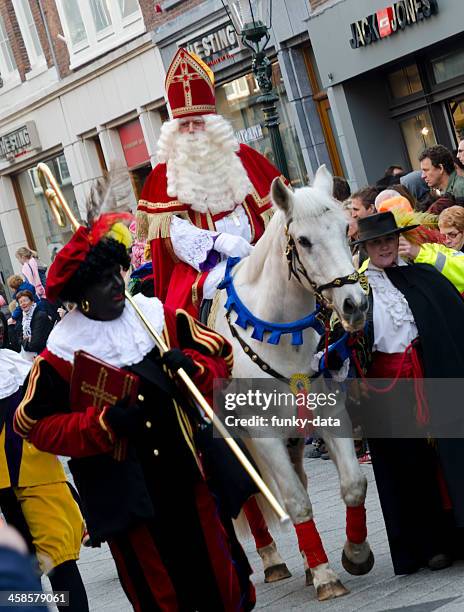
(380, 590)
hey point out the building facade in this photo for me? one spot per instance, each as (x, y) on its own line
(305, 122)
(394, 72)
(82, 89)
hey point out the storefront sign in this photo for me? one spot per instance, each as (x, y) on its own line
(133, 144)
(215, 46)
(249, 134)
(389, 20)
(19, 142)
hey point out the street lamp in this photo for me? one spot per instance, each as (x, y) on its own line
(252, 21)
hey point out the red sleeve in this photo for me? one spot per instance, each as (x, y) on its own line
(209, 368)
(79, 434)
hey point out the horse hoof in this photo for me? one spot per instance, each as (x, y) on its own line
(331, 590)
(276, 573)
(358, 569)
(309, 577)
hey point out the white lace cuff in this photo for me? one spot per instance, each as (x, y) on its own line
(190, 243)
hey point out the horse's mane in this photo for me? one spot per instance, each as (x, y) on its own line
(308, 203)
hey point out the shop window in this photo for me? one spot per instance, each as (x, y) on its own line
(456, 109)
(418, 134)
(237, 101)
(47, 237)
(29, 33)
(448, 66)
(8, 69)
(405, 81)
(93, 27)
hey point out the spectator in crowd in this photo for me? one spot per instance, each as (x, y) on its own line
(451, 225)
(17, 283)
(341, 189)
(418, 189)
(390, 177)
(437, 167)
(458, 166)
(34, 327)
(30, 269)
(460, 152)
(363, 202)
(439, 204)
(16, 568)
(4, 334)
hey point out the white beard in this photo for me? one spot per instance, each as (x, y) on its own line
(204, 171)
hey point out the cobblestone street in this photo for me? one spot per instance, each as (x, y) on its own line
(378, 591)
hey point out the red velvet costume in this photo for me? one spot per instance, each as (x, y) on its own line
(190, 90)
(153, 505)
(177, 284)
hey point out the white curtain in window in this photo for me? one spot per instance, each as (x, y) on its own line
(128, 7)
(101, 15)
(31, 28)
(74, 21)
(5, 48)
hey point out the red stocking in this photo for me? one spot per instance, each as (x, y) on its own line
(257, 523)
(356, 530)
(310, 543)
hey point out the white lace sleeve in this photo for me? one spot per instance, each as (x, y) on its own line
(190, 243)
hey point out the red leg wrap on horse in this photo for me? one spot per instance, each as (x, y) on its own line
(356, 530)
(257, 523)
(310, 543)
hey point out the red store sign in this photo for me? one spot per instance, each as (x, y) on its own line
(133, 144)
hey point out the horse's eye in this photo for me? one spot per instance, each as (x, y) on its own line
(304, 242)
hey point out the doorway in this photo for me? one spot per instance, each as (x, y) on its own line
(138, 178)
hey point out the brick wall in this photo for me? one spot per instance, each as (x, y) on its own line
(16, 39)
(153, 18)
(54, 25)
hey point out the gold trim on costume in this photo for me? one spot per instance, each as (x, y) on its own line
(195, 300)
(23, 423)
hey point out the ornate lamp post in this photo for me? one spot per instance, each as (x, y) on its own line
(252, 21)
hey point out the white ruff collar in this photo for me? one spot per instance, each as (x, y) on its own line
(121, 342)
(14, 370)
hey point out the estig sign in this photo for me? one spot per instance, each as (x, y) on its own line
(389, 20)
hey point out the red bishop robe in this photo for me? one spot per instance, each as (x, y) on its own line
(177, 284)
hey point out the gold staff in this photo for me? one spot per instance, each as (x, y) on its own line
(62, 212)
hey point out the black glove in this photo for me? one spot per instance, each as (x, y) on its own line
(124, 419)
(176, 359)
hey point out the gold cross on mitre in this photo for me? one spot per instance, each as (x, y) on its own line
(185, 77)
(97, 392)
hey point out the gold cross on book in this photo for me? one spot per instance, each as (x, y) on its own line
(97, 392)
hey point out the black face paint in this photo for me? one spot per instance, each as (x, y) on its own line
(105, 298)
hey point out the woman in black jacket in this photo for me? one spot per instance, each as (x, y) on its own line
(34, 326)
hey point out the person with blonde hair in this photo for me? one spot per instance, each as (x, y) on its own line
(30, 269)
(451, 225)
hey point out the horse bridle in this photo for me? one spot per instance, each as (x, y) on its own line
(296, 268)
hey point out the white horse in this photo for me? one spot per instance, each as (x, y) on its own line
(314, 224)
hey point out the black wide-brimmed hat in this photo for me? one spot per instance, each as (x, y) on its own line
(378, 225)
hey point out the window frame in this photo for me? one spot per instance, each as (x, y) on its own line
(119, 32)
(10, 78)
(37, 62)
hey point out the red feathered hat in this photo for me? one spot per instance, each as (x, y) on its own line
(190, 86)
(70, 257)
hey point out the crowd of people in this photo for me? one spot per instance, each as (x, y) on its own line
(150, 481)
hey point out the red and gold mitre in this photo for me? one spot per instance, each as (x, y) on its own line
(190, 86)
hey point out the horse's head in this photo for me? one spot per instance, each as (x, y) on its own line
(317, 247)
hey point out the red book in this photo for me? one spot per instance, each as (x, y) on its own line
(97, 383)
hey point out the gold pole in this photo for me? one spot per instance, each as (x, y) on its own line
(62, 212)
